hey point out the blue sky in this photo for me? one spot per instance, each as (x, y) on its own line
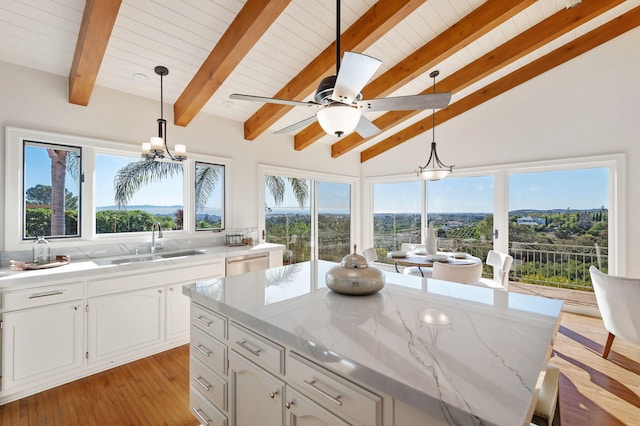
(575, 189)
(332, 198)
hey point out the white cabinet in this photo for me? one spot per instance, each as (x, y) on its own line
(178, 306)
(256, 395)
(121, 323)
(41, 342)
(301, 411)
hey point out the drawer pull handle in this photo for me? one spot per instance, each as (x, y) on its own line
(202, 351)
(205, 421)
(199, 380)
(203, 321)
(243, 344)
(46, 294)
(334, 399)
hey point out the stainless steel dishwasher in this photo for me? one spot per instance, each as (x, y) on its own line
(242, 264)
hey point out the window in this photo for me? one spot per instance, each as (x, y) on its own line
(461, 212)
(310, 213)
(51, 183)
(334, 220)
(131, 194)
(397, 216)
(557, 229)
(209, 195)
(103, 191)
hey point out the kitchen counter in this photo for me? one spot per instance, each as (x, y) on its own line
(89, 267)
(462, 354)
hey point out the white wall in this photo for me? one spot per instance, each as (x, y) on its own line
(585, 107)
(36, 100)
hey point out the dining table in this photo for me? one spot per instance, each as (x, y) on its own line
(422, 260)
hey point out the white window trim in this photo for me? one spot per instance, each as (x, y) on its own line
(616, 163)
(14, 138)
(354, 181)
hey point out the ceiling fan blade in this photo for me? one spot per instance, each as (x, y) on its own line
(405, 103)
(272, 100)
(298, 125)
(355, 71)
(366, 128)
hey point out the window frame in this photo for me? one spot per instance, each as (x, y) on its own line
(615, 163)
(14, 138)
(23, 216)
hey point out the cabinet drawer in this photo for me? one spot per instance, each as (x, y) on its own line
(40, 296)
(210, 351)
(255, 347)
(207, 414)
(208, 321)
(344, 398)
(208, 383)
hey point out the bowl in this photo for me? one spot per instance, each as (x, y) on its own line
(398, 253)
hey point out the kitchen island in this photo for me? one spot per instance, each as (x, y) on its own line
(421, 351)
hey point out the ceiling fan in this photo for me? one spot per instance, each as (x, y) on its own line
(339, 101)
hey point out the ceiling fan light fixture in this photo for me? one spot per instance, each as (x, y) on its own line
(339, 120)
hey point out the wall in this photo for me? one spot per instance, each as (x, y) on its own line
(37, 100)
(585, 107)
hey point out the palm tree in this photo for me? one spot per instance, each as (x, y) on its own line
(277, 186)
(135, 175)
(62, 161)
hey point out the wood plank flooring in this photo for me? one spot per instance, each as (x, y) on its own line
(154, 390)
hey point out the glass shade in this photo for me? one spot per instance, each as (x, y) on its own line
(157, 144)
(338, 120)
(434, 174)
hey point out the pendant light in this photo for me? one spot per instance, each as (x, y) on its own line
(434, 169)
(157, 146)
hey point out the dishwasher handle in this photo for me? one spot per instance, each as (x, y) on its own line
(247, 257)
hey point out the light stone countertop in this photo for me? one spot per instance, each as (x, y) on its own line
(92, 267)
(466, 355)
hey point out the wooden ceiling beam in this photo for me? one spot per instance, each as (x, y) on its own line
(470, 28)
(377, 21)
(253, 20)
(535, 37)
(98, 20)
(579, 46)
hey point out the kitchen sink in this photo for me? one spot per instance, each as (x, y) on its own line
(147, 257)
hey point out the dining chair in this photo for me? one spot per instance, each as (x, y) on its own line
(420, 271)
(370, 254)
(547, 411)
(501, 263)
(464, 274)
(617, 299)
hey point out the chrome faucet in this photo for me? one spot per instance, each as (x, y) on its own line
(155, 225)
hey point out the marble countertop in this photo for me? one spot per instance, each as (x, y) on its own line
(89, 267)
(467, 355)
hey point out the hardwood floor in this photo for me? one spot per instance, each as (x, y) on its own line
(154, 390)
(150, 391)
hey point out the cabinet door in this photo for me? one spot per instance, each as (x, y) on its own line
(120, 323)
(178, 306)
(40, 342)
(256, 396)
(301, 411)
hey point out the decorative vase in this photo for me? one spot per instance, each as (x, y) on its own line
(41, 251)
(431, 241)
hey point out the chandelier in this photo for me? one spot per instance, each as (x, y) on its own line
(157, 146)
(434, 169)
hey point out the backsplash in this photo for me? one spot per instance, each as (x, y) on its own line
(94, 251)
